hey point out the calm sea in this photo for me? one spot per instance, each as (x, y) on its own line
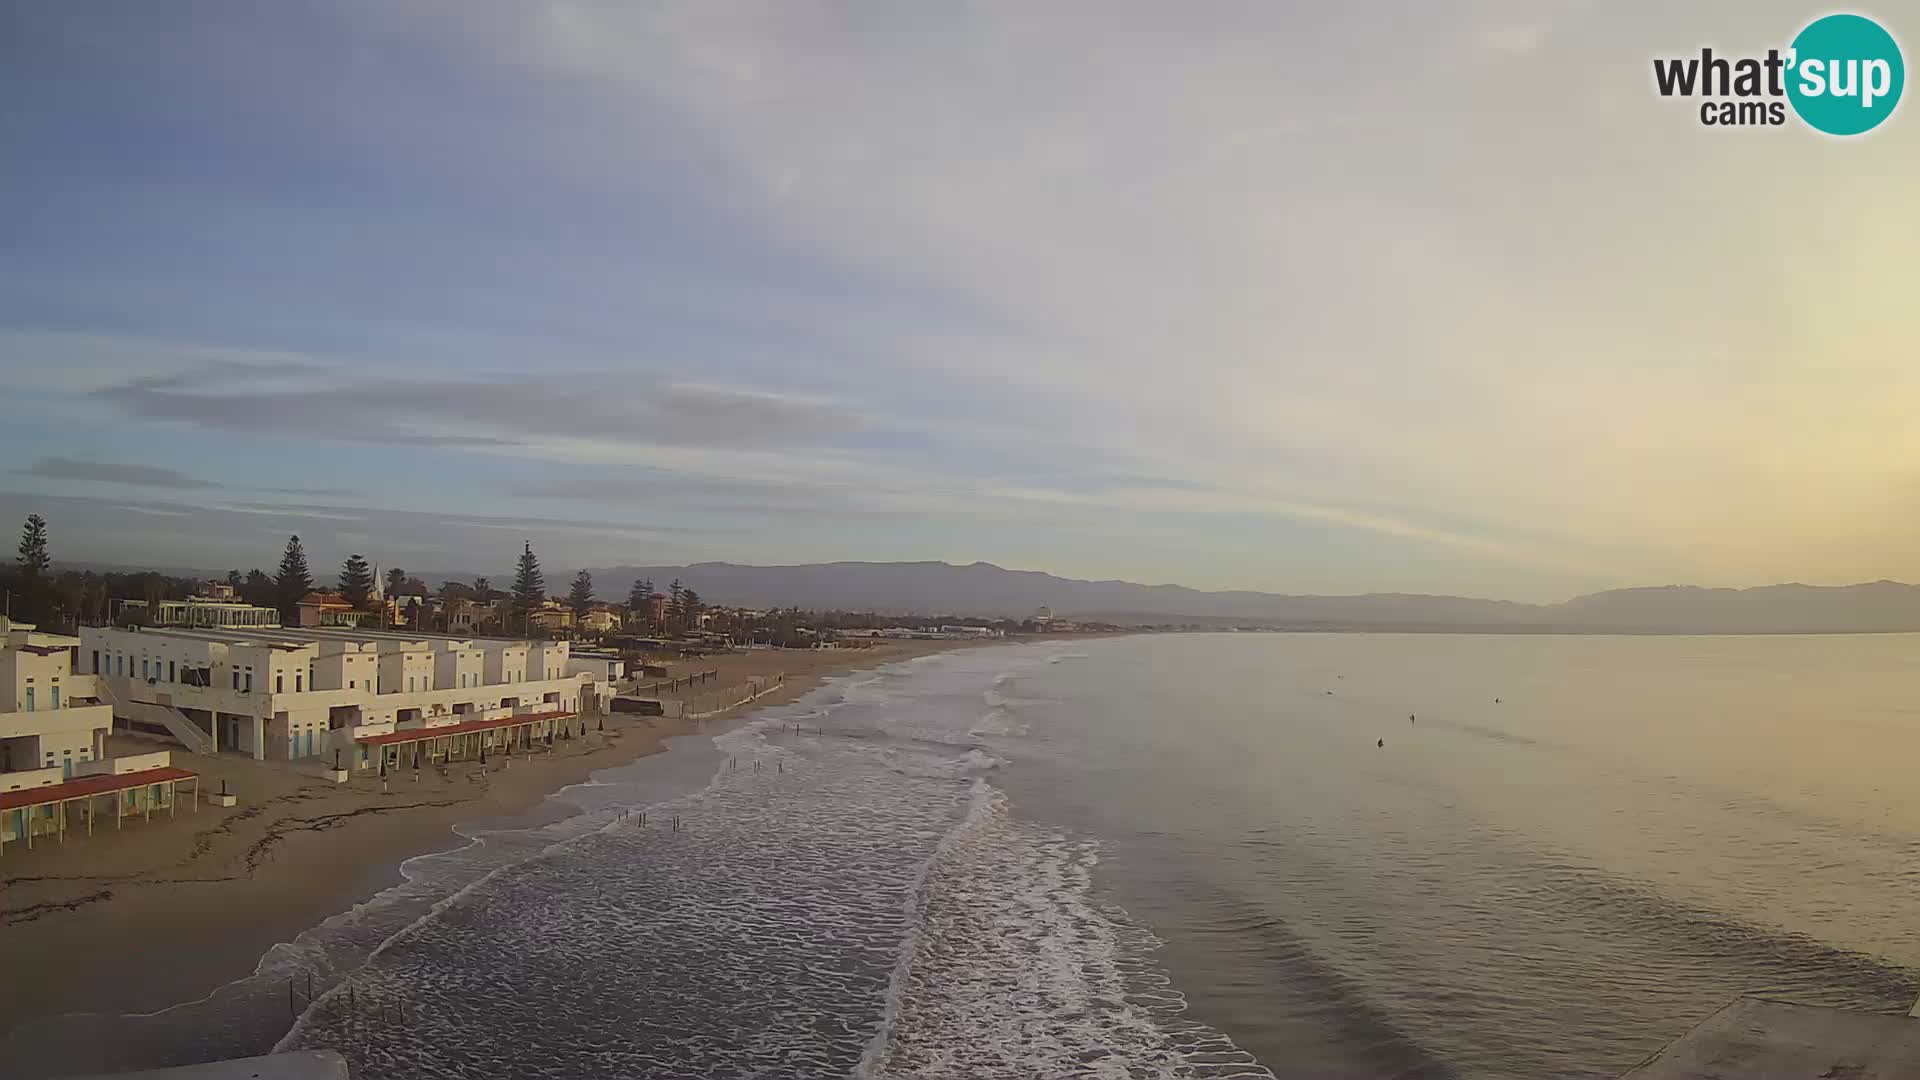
(1197, 855)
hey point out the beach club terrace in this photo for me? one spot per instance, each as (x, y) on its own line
(323, 693)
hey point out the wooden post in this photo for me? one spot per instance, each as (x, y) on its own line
(119, 809)
(173, 799)
(89, 815)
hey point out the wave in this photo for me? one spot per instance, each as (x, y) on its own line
(1014, 970)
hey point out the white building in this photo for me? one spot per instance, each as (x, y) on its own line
(363, 695)
(54, 766)
(50, 719)
(197, 611)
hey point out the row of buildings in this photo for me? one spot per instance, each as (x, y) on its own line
(352, 698)
(215, 605)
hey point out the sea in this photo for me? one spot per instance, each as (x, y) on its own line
(1187, 855)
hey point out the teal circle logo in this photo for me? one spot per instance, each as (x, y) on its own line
(1846, 74)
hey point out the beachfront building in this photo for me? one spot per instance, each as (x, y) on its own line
(55, 771)
(601, 620)
(329, 609)
(195, 611)
(50, 719)
(468, 616)
(338, 693)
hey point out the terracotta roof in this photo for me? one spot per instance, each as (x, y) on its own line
(89, 785)
(465, 728)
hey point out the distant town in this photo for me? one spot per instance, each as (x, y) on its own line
(668, 616)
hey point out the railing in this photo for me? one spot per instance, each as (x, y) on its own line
(175, 721)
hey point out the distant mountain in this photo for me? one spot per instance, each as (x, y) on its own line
(988, 590)
(983, 589)
(1877, 605)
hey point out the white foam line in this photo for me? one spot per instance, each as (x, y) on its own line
(983, 795)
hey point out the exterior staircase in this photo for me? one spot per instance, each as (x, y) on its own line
(176, 722)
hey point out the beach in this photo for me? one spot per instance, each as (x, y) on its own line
(165, 911)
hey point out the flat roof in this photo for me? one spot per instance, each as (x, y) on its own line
(1754, 1038)
(463, 728)
(104, 784)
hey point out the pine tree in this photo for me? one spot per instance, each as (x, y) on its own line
(673, 602)
(34, 562)
(690, 609)
(294, 582)
(580, 597)
(529, 585)
(640, 599)
(356, 583)
(34, 565)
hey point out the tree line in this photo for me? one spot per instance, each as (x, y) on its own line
(35, 593)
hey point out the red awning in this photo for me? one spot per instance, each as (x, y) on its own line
(89, 785)
(466, 728)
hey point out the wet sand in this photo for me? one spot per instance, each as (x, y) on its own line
(160, 912)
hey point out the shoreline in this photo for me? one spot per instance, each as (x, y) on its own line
(162, 914)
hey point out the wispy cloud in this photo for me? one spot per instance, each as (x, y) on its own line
(353, 405)
(151, 476)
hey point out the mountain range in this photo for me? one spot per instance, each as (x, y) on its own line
(984, 589)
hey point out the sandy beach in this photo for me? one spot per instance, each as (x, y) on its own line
(161, 912)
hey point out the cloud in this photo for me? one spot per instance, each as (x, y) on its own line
(315, 492)
(150, 476)
(349, 405)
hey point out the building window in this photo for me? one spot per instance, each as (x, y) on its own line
(249, 686)
(296, 682)
(170, 673)
(53, 697)
(279, 683)
(29, 699)
(236, 680)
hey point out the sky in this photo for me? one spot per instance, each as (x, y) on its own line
(1298, 297)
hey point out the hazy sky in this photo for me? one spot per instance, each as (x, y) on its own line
(1320, 298)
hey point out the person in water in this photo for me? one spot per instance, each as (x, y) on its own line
(1382, 742)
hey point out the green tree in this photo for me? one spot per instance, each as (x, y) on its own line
(673, 603)
(690, 609)
(234, 580)
(356, 583)
(396, 581)
(483, 590)
(32, 581)
(34, 561)
(640, 600)
(258, 589)
(96, 602)
(580, 597)
(529, 585)
(294, 582)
